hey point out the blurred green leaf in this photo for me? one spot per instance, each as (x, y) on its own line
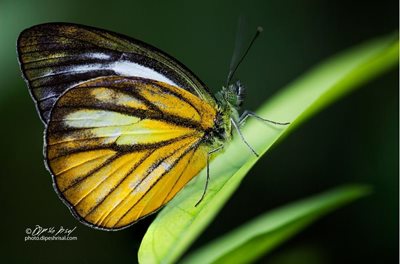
(180, 222)
(267, 231)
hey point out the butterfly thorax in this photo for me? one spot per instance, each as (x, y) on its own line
(221, 131)
(229, 101)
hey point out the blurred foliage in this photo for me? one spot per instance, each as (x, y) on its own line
(356, 140)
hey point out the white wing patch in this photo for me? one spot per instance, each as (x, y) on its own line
(122, 68)
(89, 118)
(128, 68)
(99, 55)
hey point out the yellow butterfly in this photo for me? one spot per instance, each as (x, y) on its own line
(126, 125)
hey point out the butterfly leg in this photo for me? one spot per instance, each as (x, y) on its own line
(208, 172)
(237, 127)
(247, 114)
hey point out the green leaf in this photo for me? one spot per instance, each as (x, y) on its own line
(267, 231)
(180, 222)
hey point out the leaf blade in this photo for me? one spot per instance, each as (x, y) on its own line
(179, 223)
(267, 231)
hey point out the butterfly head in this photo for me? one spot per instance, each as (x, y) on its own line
(232, 96)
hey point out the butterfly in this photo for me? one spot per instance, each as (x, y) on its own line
(126, 125)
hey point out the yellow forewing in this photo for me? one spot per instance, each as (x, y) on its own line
(120, 148)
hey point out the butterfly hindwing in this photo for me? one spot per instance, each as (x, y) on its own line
(120, 148)
(57, 56)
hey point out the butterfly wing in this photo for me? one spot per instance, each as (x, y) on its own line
(120, 148)
(57, 56)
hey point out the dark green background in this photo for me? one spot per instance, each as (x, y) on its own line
(355, 140)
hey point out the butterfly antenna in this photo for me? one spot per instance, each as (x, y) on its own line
(232, 71)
